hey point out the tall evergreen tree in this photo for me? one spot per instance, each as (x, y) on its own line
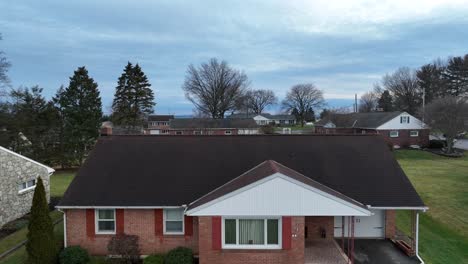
(133, 99)
(431, 81)
(385, 101)
(41, 246)
(81, 108)
(32, 124)
(456, 76)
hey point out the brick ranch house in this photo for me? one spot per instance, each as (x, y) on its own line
(238, 199)
(210, 126)
(398, 128)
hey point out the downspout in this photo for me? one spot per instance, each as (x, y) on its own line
(64, 227)
(417, 238)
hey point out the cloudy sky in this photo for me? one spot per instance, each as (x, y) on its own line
(343, 47)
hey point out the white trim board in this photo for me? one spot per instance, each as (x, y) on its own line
(278, 195)
(49, 169)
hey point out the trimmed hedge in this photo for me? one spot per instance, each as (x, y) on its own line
(154, 259)
(74, 255)
(180, 255)
(436, 144)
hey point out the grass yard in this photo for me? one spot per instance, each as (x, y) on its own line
(442, 183)
(58, 184)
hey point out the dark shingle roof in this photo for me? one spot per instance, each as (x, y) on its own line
(261, 171)
(191, 123)
(160, 117)
(168, 170)
(359, 120)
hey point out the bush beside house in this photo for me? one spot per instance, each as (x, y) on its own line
(74, 255)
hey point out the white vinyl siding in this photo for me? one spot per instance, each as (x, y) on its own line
(105, 221)
(174, 221)
(251, 233)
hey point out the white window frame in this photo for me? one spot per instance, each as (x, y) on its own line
(228, 132)
(264, 246)
(404, 119)
(164, 222)
(179, 133)
(394, 136)
(414, 135)
(28, 188)
(97, 220)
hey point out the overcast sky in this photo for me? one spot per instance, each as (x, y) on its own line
(341, 46)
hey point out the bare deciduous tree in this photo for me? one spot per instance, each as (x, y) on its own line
(4, 65)
(368, 102)
(303, 97)
(404, 88)
(449, 115)
(258, 100)
(214, 87)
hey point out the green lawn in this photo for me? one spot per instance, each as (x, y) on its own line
(442, 183)
(59, 182)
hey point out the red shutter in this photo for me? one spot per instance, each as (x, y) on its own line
(188, 220)
(286, 234)
(216, 232)
(120, 222)
(158, 222)
(90, 223)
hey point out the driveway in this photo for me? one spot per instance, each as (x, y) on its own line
(369, 251)
(462, 144)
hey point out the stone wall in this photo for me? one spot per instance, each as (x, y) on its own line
(13, 171)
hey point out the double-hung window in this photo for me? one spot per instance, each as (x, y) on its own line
(27, 185)
(252, 233)
(394, 133)
(414, 133)
(105, 221)
(174, 221)
(404, 119)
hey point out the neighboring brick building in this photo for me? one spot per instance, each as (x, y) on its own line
(267, 119)
(210, 126)
(18, 176)
(158, 124)
(237, 200)
(398, 128)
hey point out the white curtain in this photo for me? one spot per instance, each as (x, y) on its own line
(251, 232)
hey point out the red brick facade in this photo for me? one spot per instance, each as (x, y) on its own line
(209, 254)
(202, 235)
(314, 225)
(136, 222)
(403, 140)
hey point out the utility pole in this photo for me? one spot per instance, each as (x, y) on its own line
(423, 105)
(355, 104)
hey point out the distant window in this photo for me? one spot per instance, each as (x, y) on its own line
(404, 119)
(174, 221)
(27, 185)
(197, 132)
(164, 131)
(105, 221)
(414, 133)
(228, 132)
(178, 132)
(363, 132)
(394, 133)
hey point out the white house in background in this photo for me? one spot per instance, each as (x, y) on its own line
(18, 178)
(267, 119)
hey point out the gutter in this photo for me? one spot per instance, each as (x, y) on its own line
(417, 239)
(64, 227)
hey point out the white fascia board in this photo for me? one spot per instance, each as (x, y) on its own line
(417, 208)
(49, 169)
(356, 209)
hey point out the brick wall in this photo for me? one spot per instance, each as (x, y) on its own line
(390, 224)
(209, 255)
(315, 223)
(405, 140)
(136, 222)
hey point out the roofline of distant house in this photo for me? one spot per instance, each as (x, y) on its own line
(49, 169)
(116, 207)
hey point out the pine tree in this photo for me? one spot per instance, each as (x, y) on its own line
(41, 246)
(456, 76)
(81, 108)
(133, 99)
(385, 101)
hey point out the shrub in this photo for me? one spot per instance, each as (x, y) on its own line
(436, 144)
(268, 129)
(74, 255)
(125, 246)
(40, 246)
(154, 259)
(180, 255)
